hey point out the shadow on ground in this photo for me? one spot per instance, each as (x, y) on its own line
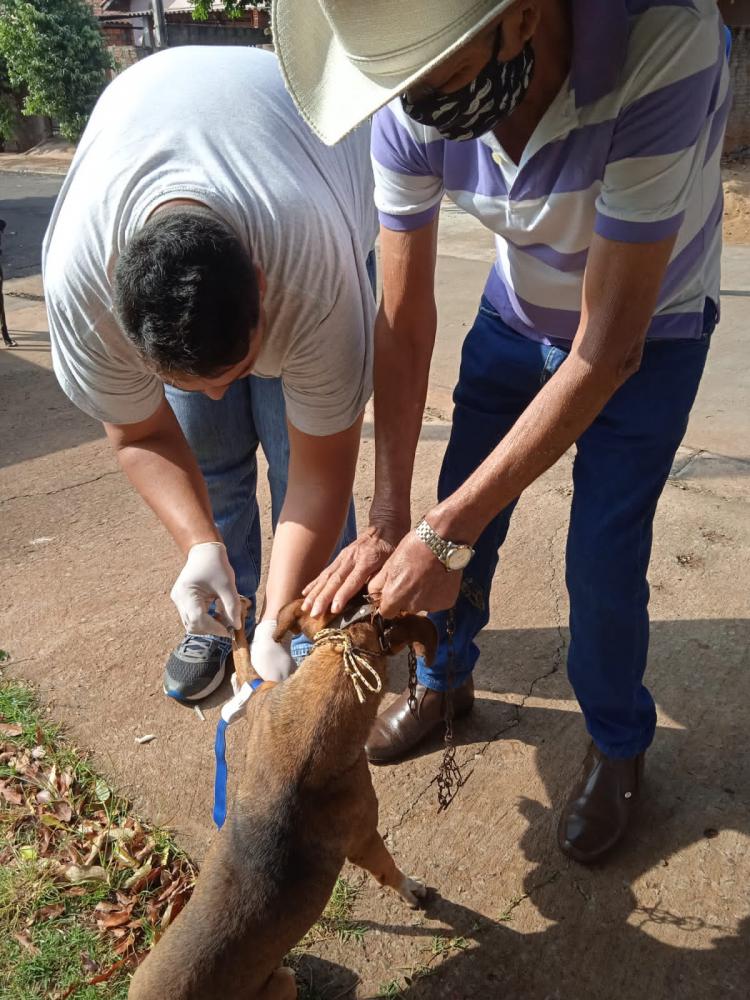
(601, 940)
(38, 418)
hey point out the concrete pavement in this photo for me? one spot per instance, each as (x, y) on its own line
(85, 613)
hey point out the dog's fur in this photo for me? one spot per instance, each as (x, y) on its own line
(305, 804)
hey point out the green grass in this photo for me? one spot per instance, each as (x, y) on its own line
(60, 944)
(442, 945)
(49, 938)
(336, 919)
(390, 991)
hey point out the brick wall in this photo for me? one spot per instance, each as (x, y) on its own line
(117, 34)
(126, 55)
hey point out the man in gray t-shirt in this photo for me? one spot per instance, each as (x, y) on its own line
(205, 240)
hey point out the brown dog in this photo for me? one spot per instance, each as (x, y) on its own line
(305, 804)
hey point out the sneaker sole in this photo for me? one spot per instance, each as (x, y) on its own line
(212, 685)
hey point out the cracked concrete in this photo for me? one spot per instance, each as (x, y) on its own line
(85, 614)
(62, 489)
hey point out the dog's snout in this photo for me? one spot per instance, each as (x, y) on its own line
(417, 631)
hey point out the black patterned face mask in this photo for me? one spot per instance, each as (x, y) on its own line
(476, 108)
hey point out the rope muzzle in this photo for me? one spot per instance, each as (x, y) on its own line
(356, 661)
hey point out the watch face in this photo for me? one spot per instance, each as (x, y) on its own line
(459, 558)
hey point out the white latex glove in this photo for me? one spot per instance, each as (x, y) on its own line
(207, 577)
(270, 659)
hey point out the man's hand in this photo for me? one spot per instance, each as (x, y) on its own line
(414, 580)
(207, 577)
(269, 658)
(348, 573)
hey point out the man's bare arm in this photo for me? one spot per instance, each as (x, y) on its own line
(404, 339)
(321, 476)
(158, 461)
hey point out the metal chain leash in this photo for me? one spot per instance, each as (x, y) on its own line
(449, 778)
(412, 702)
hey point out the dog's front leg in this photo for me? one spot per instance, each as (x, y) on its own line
(372, 855)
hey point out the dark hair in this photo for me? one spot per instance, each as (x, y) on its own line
(186, 293)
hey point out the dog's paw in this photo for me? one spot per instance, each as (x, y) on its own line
(411, 891)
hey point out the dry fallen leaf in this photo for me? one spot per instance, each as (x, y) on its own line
(139, 877)
(25, 941)
(79, 873)
(175, 905)
(10, 794)
(63, 811)
(141, 882)
(118, 918)
(10, 729)
(101, 977)
(125, 945)
(106, 906)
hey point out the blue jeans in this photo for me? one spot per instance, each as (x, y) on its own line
(621, 466)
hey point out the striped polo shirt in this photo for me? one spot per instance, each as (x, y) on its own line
(630, 149)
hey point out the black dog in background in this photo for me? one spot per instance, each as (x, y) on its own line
(7, 339)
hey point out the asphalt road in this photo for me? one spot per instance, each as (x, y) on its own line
(26, 203)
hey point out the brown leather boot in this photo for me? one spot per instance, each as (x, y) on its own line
(398, 731)
(600, 806)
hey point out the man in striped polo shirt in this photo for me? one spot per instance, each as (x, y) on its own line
(589, 143)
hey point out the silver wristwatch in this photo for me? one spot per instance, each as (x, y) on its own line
(452, 555)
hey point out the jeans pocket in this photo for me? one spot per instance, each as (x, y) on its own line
(486, 307)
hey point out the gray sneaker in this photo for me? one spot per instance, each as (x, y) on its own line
(196, 668)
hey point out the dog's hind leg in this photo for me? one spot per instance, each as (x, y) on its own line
(372, 855)
(281, 986)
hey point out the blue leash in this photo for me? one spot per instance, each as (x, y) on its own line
(229, 712)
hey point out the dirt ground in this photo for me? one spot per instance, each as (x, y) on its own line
(737, 202)
(85, 614)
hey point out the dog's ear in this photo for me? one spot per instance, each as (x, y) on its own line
(289, 620)
(293, 619)
(414, 630)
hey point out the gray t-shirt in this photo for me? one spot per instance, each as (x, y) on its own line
(216, 125)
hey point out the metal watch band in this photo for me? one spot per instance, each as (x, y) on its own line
(442, 548)
(439, 546)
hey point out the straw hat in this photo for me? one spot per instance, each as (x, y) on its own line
(344, 59)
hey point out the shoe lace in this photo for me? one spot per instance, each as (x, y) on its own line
(200, 646)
